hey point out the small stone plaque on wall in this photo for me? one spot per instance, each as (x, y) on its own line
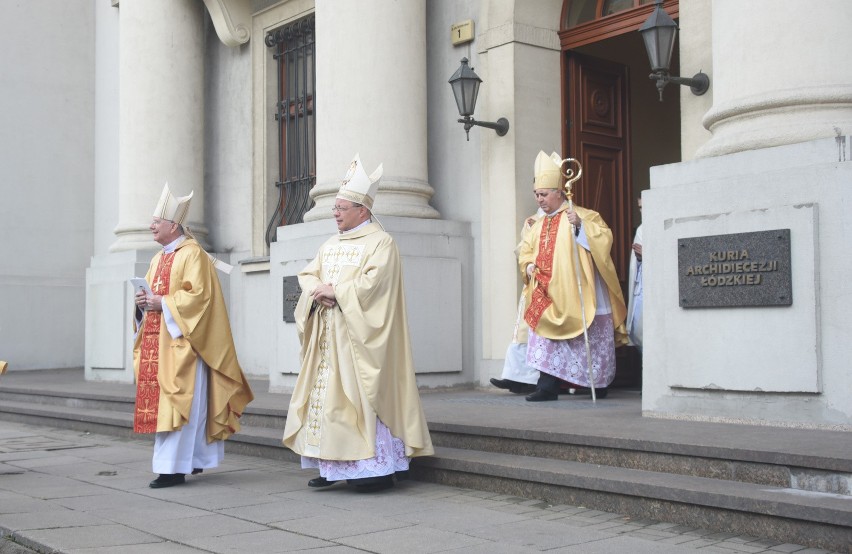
(740, 269)
(292, 291)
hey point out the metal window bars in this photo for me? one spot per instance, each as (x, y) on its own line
(294, 50)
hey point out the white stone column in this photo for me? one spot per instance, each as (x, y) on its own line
(780, 74)
(371, 99)
(161, 68)
(160, 134)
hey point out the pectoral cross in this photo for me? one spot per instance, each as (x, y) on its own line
(157, 284)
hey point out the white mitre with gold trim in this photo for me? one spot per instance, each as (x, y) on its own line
(548, 174)
(172, 208)
(357, 186)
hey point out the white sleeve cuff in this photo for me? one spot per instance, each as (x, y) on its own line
(171, 324)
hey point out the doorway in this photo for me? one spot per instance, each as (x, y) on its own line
(614, 123)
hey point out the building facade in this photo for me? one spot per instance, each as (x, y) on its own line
(258, 106)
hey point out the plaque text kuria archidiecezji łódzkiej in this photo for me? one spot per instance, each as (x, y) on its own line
(740, 269)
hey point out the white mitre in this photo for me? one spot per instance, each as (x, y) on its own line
(548, 174)
(172, 208)
(175, 209)
(357, 186)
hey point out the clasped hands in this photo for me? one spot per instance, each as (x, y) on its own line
(324, 296)
(149, 302)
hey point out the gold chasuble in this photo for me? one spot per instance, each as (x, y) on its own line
(165, 367)
(552, 296)
(356, 361)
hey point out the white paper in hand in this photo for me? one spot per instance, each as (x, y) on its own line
(140, 283)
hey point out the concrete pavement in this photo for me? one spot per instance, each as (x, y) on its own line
(65, 491)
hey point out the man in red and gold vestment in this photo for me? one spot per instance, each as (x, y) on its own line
(556, 344)
(190, 389)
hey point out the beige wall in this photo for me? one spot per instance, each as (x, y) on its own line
(47, 174)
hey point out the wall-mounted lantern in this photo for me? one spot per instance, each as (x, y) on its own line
(659, 32)
(465, 85)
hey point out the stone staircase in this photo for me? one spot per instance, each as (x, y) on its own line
(794, 495)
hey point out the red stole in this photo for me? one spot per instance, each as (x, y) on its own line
(540, 300)
(147, 386)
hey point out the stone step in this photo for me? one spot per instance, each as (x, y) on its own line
(254, 416)
(740, 508)
(95, 401)
(789, 470)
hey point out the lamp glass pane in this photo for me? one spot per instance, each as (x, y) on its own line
(465, 91)
(471, 93)
(659, 43)
(458, 95)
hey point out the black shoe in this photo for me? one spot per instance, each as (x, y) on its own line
(318, 482)
(197, 470)
(167, 480)
(513, 386)
(505, 384)
(402, 475)
(542, 396)
(600, 393)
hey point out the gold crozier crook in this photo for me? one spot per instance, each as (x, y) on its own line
(572, 176)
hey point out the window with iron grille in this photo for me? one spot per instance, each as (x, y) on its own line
(293, 49)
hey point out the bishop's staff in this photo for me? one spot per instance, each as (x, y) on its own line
(571, 178)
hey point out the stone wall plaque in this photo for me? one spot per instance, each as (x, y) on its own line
(740, 269)
(292, 291)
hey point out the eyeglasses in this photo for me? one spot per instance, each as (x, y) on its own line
(336, 209)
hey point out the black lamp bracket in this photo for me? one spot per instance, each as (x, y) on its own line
(501, 126)
(698, 84)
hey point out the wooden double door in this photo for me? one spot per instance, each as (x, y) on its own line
(597, 133)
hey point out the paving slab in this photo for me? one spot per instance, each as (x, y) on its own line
(166, 512)
(536, 533)
(68, 538)
(110, 501)
(56, 519)
(280, 510)
(459, 518)
(415, 539)
(331, 550)
(234, 498)
(332, 526)
(620, 544)
(260, 541)
(149, 548)
(188, 528)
